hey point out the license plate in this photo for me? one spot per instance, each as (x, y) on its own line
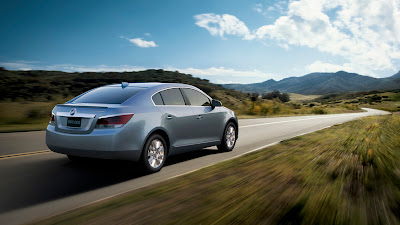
(74, 122)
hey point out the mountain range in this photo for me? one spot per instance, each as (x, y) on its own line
(322, 83)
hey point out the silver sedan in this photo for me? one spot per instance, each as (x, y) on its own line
(143, 122)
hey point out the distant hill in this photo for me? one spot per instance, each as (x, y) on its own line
(322, 83)
(39, 85)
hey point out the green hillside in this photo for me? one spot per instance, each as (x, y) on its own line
(38, 85)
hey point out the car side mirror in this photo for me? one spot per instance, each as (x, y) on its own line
(215, 103)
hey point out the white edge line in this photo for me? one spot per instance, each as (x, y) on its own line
(179, 175)
(286, 121)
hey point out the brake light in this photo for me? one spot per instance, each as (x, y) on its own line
(52, 119)
(114, 121)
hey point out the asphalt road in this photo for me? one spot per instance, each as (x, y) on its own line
(40, 184)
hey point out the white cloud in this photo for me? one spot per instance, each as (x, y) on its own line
(18, 64)
(31, 65)
(352, 34)
(99, 68)
(219, 25)
(258, 7)
(141, 42)
(365, 33)
(319, 66)
(221, 74)
(269, 9)
(222, 71)
(218, 81)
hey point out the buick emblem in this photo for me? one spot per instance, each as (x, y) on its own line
(72, 112)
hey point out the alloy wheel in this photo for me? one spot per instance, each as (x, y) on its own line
(230, 136)
(155, 153)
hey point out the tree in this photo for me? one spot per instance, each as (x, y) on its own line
(284, 97)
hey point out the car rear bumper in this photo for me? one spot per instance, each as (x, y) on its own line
(104, 143)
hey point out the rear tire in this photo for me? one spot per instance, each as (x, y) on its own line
(229, 138)
(154, 153)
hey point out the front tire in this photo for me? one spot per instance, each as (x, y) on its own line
(154, 153)
(229, 138)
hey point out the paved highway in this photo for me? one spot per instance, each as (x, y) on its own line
(36, 183)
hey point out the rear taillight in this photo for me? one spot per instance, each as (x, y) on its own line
(52, 119)
(113, 122)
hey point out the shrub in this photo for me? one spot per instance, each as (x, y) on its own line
(296, 106)
(351, 106)
(318, 111)
(256, 110)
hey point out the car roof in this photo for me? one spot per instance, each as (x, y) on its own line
(151, 85)
(150, 88)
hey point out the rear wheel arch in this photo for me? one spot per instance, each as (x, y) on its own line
(163, 134)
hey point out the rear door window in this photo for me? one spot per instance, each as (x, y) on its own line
(108, 95)
(172, 97)
(157, 99)
(196, 98)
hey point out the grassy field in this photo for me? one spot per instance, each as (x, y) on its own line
(268, 108)
(346, 174)
(390, 101)
(26, 115)
(299, 98)
(384, 100)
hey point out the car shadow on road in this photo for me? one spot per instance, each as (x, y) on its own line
(37, 181)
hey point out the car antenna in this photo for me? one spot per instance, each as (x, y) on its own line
(124, 84)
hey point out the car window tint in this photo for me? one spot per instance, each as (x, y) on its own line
(108, 95)
(172, 97)
(196, 98)
(157, 99)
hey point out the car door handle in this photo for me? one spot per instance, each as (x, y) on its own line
(199, 117)
(169, 117)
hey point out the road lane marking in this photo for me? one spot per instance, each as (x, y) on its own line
(24, 154)
(287, 121)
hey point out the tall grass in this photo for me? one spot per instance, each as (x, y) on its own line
(263, 107)
(26, 115)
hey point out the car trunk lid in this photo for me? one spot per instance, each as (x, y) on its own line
(79, 118)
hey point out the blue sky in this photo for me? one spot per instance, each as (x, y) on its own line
(225, 41)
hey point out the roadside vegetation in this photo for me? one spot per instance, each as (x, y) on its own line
(280, 104)
(27, 97)
(384, 100)
(346, 174)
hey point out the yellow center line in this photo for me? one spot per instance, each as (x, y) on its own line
(24, 154)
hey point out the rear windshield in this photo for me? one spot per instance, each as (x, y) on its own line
(108, 95)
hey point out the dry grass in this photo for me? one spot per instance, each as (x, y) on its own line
(347, 174)
(299, 98)
(265, 108)
(26, 115)
(384, 100)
